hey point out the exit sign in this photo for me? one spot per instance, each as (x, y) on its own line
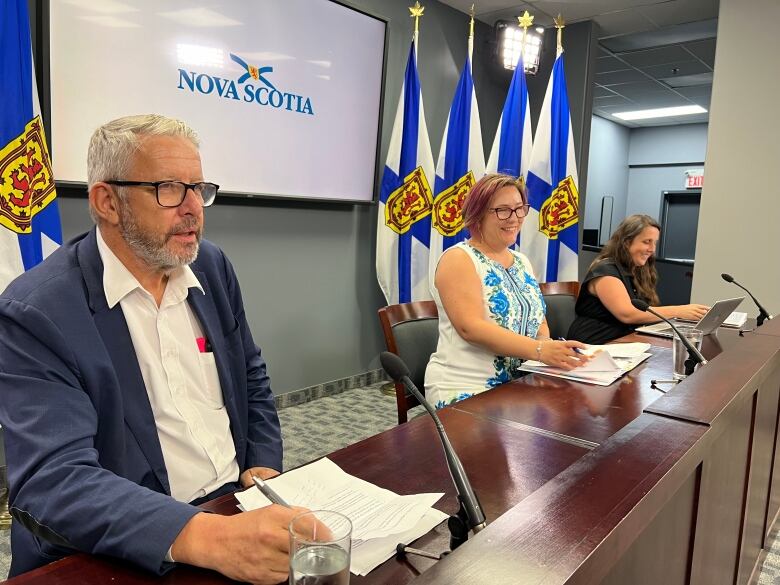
(694, 178)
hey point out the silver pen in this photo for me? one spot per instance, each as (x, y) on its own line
(266, 490)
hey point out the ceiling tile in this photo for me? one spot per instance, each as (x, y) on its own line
(607, 64)
(679, 12)
(661, 100)
(675, 69)
(637, 90)
(622, 22)
(696, 93)
(600, 91)
(670, 35)
(704, 50)
(611, 101)
(575, 10)
(615, 77)
(657, 56)
(484, 6)
(695, 80)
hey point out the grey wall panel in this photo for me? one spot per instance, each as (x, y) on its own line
(646, 186)
(738, 219)
(607, 170)
(668, 144)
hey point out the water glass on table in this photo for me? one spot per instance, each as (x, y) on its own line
(320, 556)
(680, 353)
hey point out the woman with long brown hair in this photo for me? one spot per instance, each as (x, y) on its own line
(624, 270)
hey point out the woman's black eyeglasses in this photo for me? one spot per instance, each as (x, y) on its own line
(506, 212)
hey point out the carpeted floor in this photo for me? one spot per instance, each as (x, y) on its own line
(316, 428)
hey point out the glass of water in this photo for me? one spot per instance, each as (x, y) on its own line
(680, 353)
(320, 545)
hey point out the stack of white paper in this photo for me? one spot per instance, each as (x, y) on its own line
(380, 518)
(607, 364)
(736, 319)
(620, 350)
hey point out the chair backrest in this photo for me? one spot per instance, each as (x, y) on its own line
(560, 298)
(411, 332)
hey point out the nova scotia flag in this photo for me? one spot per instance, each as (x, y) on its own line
(405, 199)
(550, 233)
(511, 152)
(461, 164)
(29, 219)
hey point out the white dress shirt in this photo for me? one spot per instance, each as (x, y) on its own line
(181, 381)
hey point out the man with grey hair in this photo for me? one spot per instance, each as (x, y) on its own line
(131, 386)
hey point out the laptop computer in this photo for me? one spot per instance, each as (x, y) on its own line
(713, 319)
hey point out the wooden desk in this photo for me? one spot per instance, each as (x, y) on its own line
(505, 465)
(573, 411)
(771, 327)
(584, 413)
(580, 484)
(685, 493)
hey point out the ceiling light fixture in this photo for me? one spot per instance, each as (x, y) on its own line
(660, 113)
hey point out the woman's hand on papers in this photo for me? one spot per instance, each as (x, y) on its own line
(249, 547)
(563, 354)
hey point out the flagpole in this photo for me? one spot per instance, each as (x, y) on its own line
(416, 12)
(471, 34)
(560, 24)
(524, 21)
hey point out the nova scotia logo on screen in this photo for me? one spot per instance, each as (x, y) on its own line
(263, 93)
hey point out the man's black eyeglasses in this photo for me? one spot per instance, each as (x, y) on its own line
(172, 193)
(506, 212)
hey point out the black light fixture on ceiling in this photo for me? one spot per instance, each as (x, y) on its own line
(509, 38)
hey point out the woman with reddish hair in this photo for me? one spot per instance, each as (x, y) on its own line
(491, 311)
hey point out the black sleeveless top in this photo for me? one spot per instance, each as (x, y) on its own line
(594, 323)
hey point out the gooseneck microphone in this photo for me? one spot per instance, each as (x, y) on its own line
(470, 515)
(694, 355)
(762, 312)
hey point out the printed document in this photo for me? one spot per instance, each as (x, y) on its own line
(607, 364)
(380, 518)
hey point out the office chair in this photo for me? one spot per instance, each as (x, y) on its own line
(560, 298)
(411, 332)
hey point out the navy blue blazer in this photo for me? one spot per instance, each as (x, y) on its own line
(85, 467)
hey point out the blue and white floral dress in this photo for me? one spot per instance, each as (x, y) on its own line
(512, 299)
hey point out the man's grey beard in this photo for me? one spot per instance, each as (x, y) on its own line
(152, 249)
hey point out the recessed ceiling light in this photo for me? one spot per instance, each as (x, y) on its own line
(660, 113)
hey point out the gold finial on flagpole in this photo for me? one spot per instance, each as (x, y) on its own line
(416, 12)
(525, 21)
(471, 22)
(559, 24)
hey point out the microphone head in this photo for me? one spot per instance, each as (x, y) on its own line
(727, 277)
(639, 304)
(393, 366)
